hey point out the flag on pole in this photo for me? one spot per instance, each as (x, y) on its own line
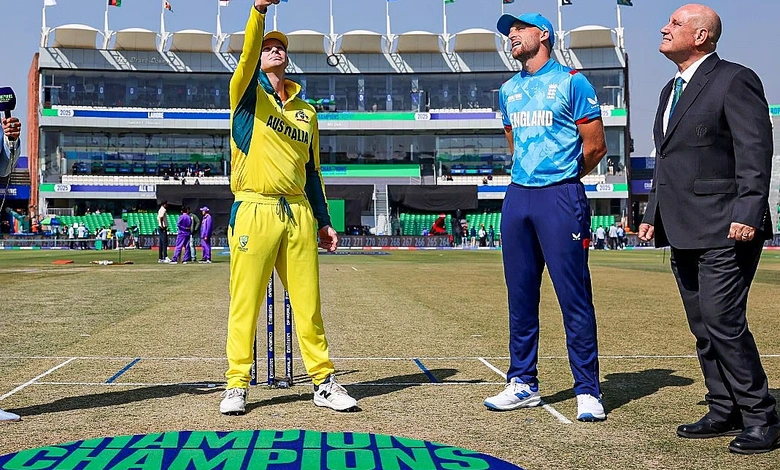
(50, 3)
(625, 3)
(507, 2)
(567, 2)
(448, 1)
(168, 7)
(115, 3)
(224, 3)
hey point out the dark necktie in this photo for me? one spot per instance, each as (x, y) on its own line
(678, 89)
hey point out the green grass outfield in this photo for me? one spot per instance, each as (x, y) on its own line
(67, 330)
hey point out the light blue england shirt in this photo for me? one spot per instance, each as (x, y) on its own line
(543, 110)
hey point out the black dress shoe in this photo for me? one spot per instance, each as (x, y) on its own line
(756, 440)
(706, 428)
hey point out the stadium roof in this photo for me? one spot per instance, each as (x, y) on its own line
(590, 36)
(418, 41)
(192, 40)
(361, 41)
(475, 40)
(301, 41)
(135, 39)
(75, 36)
(307, 41)
(236, 42)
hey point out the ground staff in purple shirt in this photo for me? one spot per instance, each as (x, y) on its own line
(206, 229)
(183, 237)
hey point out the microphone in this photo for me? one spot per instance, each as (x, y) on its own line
(7, 101)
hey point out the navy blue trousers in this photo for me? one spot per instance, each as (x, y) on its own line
(549, 225)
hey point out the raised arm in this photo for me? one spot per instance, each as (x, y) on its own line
(245, 76)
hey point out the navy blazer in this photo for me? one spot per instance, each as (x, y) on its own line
(713, 165)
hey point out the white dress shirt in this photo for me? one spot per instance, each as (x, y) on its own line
(686, 75)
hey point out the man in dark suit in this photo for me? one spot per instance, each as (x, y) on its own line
(709, 202)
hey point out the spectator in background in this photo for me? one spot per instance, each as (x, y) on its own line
(613, 237)
(109, 244)
(72, 235)
(473, 237)
(621, 235)
(162, 230)
(184, 224)
(482, 235)
(601, 237)
(206, 230)
(439, 226)
(83, 234)
(491, 236)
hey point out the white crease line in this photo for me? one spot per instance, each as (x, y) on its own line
(215, 385)
(369, 358)
(557, 414)
(30, 382)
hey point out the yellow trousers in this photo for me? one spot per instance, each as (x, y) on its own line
(266, 232)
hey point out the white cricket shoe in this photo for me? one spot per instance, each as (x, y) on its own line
(164, 260)
(590, 408)
(516, 394)
(330, 394)
(233, 401)
(6, 416)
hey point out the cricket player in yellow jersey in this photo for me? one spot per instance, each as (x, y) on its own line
(279, 211)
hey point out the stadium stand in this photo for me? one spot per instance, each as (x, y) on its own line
(91, 221)
(147, 222)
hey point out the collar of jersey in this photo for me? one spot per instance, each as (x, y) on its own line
(545, 68)
(290, 87)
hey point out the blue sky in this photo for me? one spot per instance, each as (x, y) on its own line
(750, 35)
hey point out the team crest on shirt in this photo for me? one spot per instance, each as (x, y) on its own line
(302, 117)
(243, 241)
(552, 90)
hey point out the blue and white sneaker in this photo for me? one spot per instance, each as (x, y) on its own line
(516, 394)
(590, 408)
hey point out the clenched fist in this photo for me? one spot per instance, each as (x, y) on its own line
(12, 128)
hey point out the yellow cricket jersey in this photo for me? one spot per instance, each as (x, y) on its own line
(274, 145)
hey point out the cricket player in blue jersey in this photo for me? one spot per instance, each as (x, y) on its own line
(552, 120)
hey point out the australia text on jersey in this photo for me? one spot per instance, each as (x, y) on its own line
(292, 132)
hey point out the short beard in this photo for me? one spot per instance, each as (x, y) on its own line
(526, 54)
